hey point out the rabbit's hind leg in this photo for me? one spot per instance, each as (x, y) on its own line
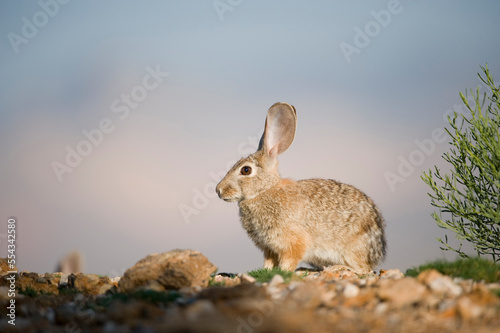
(270, 259)
(292, 256)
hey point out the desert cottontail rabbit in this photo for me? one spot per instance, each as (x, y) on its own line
(318, 221)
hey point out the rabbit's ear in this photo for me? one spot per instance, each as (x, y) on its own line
(279, 131)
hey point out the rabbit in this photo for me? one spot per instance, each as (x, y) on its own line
(318, 221)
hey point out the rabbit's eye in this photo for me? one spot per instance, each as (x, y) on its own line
(246, 170)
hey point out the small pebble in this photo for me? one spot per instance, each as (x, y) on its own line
(350, 291)
(245, 278)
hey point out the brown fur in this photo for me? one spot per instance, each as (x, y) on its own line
(320, 221)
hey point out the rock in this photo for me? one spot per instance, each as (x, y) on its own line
(64, 280)
(439, 283)
(306, 296)
(367, 280)
(366, 297)
(27, 281)
(276, 280)
(92, 284)
(154, 285)
(401, 292)
(188, 294)
(341, 303)
(468, 309)
(115, 280)
(200, 309)
(475, 304)
(52, 278)
(172, 270)
(5, 267)
(494, 287)
(336, 272)
(466, 285)
(276, 286)
(350, 291)
(67, 281)
(245, 278)
(226, 280)
(327, 296)
(391, 274)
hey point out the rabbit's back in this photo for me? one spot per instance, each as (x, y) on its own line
(338, 205)
(345, 225)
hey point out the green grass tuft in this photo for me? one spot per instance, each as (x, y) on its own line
(68, 291)
(150, 296)
(29, 291)
(475, 268)
(213, 283)
(266, 274)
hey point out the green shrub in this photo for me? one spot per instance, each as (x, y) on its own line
(470, 195)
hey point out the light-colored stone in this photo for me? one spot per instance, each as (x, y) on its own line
(92, 284)
(391, 274)
(401, 292)
(63, 281)
(153, 285)
(327, 296)
(366, 298)
(468, 309)
(173, 270)
(306, 296)
(226, 281)
(245, 278)
(115, 280)
(350, 291)
(276, 288)
(337, 272)
(476, 303)
(439, 283)
(276, 280)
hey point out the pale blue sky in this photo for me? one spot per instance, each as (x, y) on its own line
(124, 200)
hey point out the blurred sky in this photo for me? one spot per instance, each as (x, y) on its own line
(147, 182)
